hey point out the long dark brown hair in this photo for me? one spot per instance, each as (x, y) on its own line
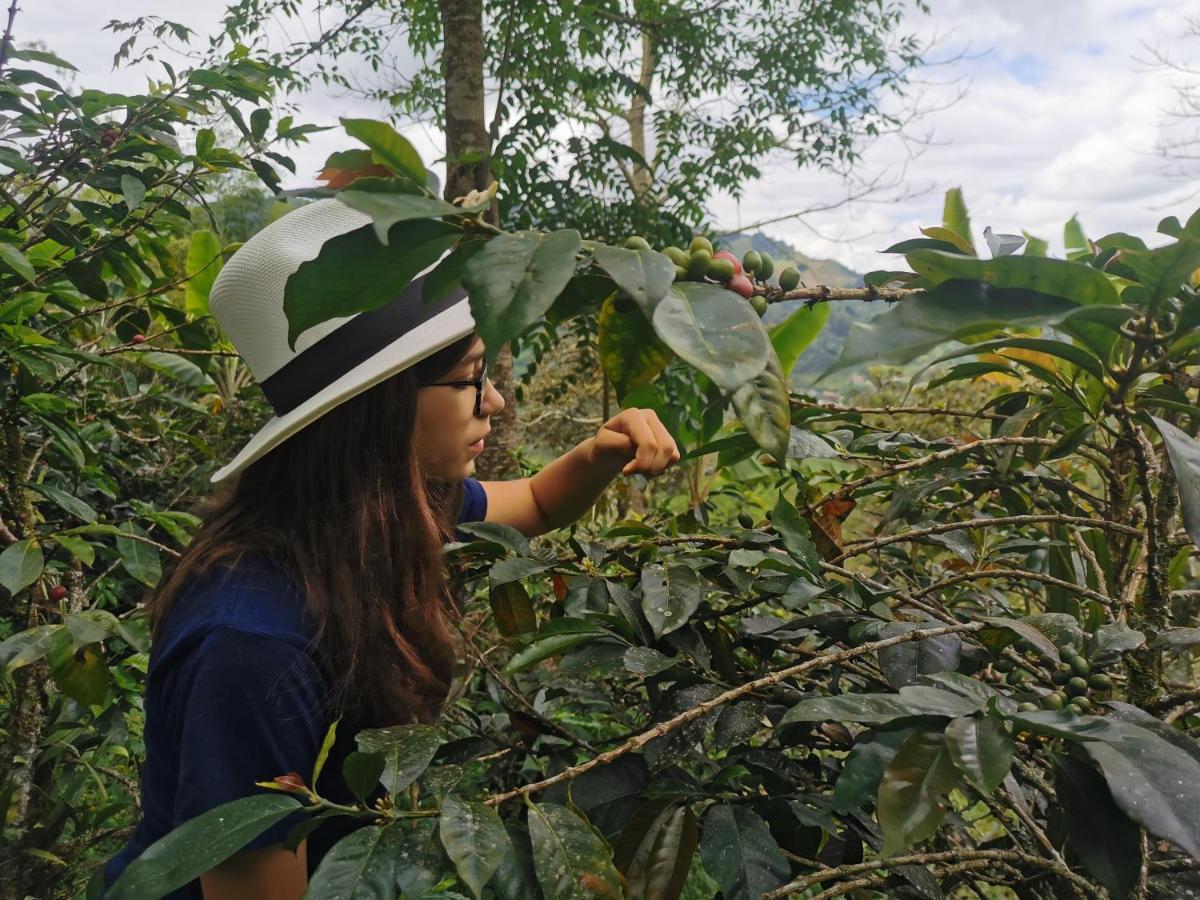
(344, 509)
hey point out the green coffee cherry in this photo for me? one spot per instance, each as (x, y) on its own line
(759, 302)
(637, 242)
(1015, 677)
(677, 256)
(1080, 665)
(1003, 664)
(1081, 705)
(698, 265)
(1066, 650)
(720, 270)
(1027, 707)
(1077, 687)
(699, 242)
(766, 266)
(789, 279)
(751, 262)
(1100, 682)
(1061, 676)
(1056, 700)
(745, 520)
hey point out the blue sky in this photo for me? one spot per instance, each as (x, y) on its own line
(1060, 115)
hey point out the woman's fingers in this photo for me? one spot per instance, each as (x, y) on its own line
(655, 447)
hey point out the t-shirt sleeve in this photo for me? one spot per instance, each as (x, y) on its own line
(474, 502)
(250, 710)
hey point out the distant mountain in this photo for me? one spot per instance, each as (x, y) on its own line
(825, 349)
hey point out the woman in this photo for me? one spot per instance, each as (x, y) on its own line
(315, 587)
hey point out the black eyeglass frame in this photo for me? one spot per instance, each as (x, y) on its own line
(476, 383)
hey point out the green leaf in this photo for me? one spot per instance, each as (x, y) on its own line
(198, 845)
(386, 210)
(952, 311)
(1075, 241)
(1064, 724)
(515, 278)
(204, 263)
(955, 218)
(362, 772)
(134, 192)
(1108, 843)
(981, 748)
(630, 352)
(388, 147)
(79, 671)
(1001, 632)
(355, 273)
(407, 751)
(795, 533)
(67, 502)
(42, 56)
(1153, 781)
(26, 646)
(1074, 281)
(714, 330)
(515, 878)
(645, 276)
(903, 663)
(1061, 349)
(876, 709)
(572, 862)
(79, 548)
(1184, 454)
(864, 768)
(914, 789)
(762, 405)
(15, 260)
(323, 753)
(1164, 270)
(670, 594)
(361, 866)
(138, 558)
(655, 850)
(21, 565)
(740, 853)
(178, 367)
(793, 335)
(549, 646)
(475, 840)
(512, 609)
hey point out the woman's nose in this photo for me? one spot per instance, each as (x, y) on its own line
(493, 400)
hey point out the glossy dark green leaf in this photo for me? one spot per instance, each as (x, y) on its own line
(16, 260)
(67, 502)
(645, 276)
(1184, 453)
(1107, 842)
(513, 280)
(1164, 270)
(1077, 282)
(21, 565)
(740, 854)
(362, 771)
(914, 790)
(795, 533)
(903, 663)
(762, 405)
(140, 559)
(630, 352)
(134, 192)
(1001, 632)
(474, 838)
(407, 751)
(512, 609)
(388, 147)
(355, 273)
(198, 845)
(572, 862)
(1065, 724)
(795, 334)
(876, 709)
(361, 866)
(544, 648)
(386, 210)
(655, 850)
(981, 748)
(670, 594)
(515, 878)
(859, 781)
(715, 331)
(608, 795)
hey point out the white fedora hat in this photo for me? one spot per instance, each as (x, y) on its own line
(335, 360)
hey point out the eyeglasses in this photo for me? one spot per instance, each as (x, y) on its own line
(477, 382)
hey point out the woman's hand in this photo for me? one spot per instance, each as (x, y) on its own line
(637, 442)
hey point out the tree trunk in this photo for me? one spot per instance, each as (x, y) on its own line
(636, 119)
(468, 158)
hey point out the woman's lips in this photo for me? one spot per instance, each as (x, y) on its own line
(476, 447)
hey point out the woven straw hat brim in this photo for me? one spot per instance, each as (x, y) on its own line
(450, 325)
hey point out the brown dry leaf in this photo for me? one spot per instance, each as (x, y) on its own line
(826, 526)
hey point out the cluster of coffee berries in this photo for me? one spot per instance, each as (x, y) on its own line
(1074, 682)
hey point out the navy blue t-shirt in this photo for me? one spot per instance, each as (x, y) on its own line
(234, 696)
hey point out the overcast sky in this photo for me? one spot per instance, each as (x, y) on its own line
(1062, 115)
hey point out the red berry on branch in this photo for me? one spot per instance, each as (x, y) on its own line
(725, 254)
(138, 339)
(741, 284)
(58, 592)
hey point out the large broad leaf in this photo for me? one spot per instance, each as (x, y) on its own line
(475, 840)
(21, 565)
(361, 866)
(1075, 355)
(512, 608)
(655, 850)
(514, 279)
(1154, 781)
(1184, 453)
(913, 791)
(609, 794)
(386, 210)
(79, 670)
(981, 748)
(26, 646)
(876, 709)
(407, 751)
(714, 330)
(670, 594)
(1107, 842)
(644, 276)
(903, 663)
(951, 311)
(1164, 270)
(204, 263)
(544, 648)
(515, 878)
(762, 405)
(864, 768)
(572, 862)
(630, 352)
(140, 559)
(198, 845)
(793, 335)
(388, 147)
(355, 273)
(1077, 282)
(740, 854)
